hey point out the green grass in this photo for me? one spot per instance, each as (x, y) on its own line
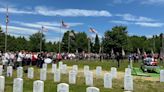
(51, 86)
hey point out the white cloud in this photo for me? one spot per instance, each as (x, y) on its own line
(70, 12)
(26, 32)
(57, 12)
(154, 2)
(59, 24)
(15, 11)
(120, 22)
(20, 30)
(52, 26)
(130, 17)
(148, 24)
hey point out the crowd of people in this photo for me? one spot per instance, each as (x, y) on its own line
(26, 58)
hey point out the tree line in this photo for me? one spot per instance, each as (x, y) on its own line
(116, 39)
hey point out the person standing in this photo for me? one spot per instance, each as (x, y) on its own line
(118, 59)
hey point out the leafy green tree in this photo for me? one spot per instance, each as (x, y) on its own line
(2, 40)
(96, 44)
(34, 42)
(81, 41)
(116, 39)
(68, 41)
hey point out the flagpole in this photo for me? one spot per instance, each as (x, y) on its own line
(68, 41)
(41, 33)
(89, 48)
(60, 38)
(6, 30)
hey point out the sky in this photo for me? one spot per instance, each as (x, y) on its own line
(26, 17)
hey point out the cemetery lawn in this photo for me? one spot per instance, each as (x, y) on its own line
(140, 85)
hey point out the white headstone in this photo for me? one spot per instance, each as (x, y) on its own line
(128, 82)
(72, 77)
(2, 84)
(89, 78)
(45, 66)
(62, 87)
(43, 74)
(114, 72)
(162, 76)
(92, 89)
(54, 67)
(19, 72)
(128, 71)
(18, 85)
(107, 80)
(86, 69)
(60, 64)
(9, 71)
(1, 70)
(64, 69)
(30, 73)
(98, 71)
(75, 68)
(38, 86)
(57, 76)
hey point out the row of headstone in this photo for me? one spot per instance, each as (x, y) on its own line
(38, 86)
(162, 76)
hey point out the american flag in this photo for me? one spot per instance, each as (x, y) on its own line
(64, 24)
(92, 30)
(44, 29)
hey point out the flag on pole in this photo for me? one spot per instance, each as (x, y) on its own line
(7, 15)
(44, 29)
(64, 24)
(92, 30)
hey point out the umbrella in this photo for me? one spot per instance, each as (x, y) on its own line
(47, 60)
